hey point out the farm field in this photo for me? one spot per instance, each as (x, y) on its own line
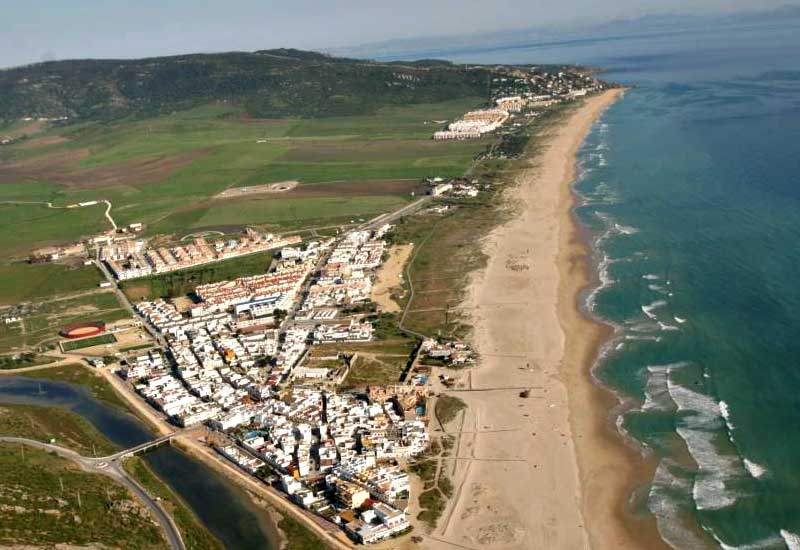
(23, 282)
(165, 171)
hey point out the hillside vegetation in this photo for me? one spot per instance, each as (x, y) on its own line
(269, 83)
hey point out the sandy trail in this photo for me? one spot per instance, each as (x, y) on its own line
(521, 483)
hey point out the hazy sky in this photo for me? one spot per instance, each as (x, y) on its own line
(35, 30)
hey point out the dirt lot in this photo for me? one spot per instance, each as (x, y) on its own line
(390, 277)
(328, 189)
(266, 189)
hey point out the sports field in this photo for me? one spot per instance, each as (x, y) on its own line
(166, 171)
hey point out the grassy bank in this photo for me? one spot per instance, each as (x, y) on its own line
(65, 427)
(298, 537)
(82, 376)
(46, 501)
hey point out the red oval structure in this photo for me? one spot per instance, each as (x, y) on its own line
(82, 330)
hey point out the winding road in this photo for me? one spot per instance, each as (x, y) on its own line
(112, 467)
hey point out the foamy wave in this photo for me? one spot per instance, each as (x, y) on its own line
(612, 228)
(726, 414)
(625, 229)
(648, 309)
(656, 390)
(754, 469)
(641, 338)
(670, 519)
(680, 320)
(640, 327)
(792, 540)
(605, 281)
(768, 543)
(651, 277)
(699, 429)
(601, 195)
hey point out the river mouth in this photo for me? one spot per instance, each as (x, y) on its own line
(221, 506)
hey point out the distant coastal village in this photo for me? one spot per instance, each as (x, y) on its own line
(272, 367)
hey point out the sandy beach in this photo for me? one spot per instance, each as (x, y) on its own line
(546, 471)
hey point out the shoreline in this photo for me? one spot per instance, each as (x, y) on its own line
(610, 468)
(547, 469)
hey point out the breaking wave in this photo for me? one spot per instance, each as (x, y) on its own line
(700, 427)
(792, 540)
(754, 469)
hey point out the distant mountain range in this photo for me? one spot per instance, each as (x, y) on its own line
(445, 46)
(269, 83)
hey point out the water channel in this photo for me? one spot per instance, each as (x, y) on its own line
(223, 508)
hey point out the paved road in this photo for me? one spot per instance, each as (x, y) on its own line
(397, 214)
(112, 468)
(123, 299)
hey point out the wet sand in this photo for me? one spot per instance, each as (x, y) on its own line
(547, 471)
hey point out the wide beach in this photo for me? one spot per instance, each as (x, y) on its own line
(546, 471)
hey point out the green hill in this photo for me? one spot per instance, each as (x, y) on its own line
(266, 84)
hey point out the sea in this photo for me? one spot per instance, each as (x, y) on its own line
(690, 188)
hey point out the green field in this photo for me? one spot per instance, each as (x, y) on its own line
(26, 226)
(47, 501)
(180, 283)
(71, 345)
(165, 171)
(38, 329)
(22, 282)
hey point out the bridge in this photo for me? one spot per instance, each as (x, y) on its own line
(143, 447)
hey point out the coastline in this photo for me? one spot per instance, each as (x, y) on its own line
(610, 470)
(547, 470)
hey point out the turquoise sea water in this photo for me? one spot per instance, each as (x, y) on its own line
(691, 187)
